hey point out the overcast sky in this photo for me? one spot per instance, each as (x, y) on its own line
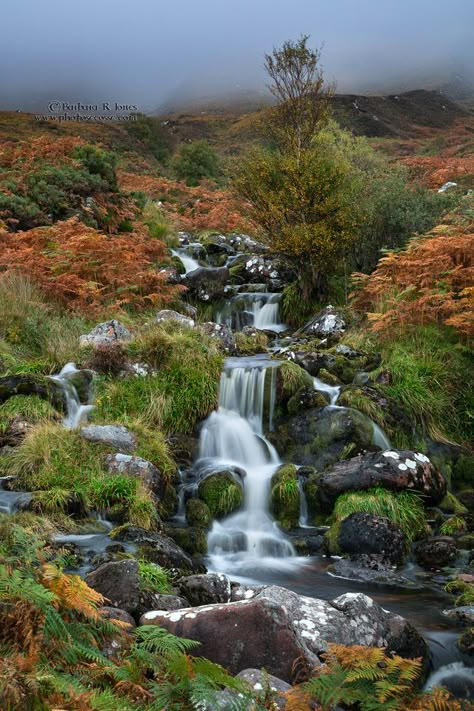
(147, 52)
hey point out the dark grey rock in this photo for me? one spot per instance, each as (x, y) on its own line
(436, 552)
(205, 589)
(363, 533)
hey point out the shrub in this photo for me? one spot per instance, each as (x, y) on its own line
(20, 212)
(196, 161)
(98, 162)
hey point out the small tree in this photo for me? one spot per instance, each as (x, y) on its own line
(196, 161)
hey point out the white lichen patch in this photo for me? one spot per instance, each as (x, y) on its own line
(421, 457)
(403, 467)
(390, 454)
(410, 463)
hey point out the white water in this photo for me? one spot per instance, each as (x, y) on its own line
(261, 310)
(379, 438)
(233, 436)
(332, 391)
(76, 413)
(189, 263)
(455, 676)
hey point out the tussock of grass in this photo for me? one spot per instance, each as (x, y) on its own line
(248, 345)
(153, 578)
(357, 400)
(292, 377)
(404, 509)
(29, 406)
(183, 388)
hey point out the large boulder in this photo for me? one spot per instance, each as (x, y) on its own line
(328, 323)
(107, 332)
(436, 552)
(273, 627)
(363, 533)
(116, 436)
(157, 548)
(137, 468)
(207, 283)
(169, 315)
(205, 589)
(396, 470)
(319, 437)
(119, 583)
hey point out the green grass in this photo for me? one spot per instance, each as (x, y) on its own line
(181, 391)
(28, 406)
(453, 525)
(293, 377)
(405, 509)
(249, 345)
(153, 578)
(295, 309)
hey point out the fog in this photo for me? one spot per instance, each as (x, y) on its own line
(153, 53)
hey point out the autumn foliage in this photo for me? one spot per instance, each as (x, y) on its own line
(86, 269)
(432, 281)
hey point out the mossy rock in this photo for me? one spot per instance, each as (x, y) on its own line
(285, 496)
(169, 503)
(463, 471)
(191, 539)
(198, 513)
(331, 538)
(304, 399)
(466, 542)
(291, 378)
(328, 378)
(311, 486)
(222, 494)
(251, 345)
(178, 265)
(451, 504)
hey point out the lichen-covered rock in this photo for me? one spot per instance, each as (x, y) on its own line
(137, 468)
(285, 496)
(328, 323)
(117, 436)
(169, 315)
(207, 283)
(205, 589)
(223, 334)
(434, 553)
(107, 332)
(222, 493)
(396, 470)
(273, 627)
(363, 533)
(258, 681)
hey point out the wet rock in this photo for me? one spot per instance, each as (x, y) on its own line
(347, 351)
(305, 399)
(81, 380)
(372, 569)
(463, 615)
(277, 626)
(315, 361)
(117, 436)
(259, 680)
(223, 333)
(205, 589)
(137, 468)
(363, 533)
(222, 493)
(436, 552)
(198, 514)
(466, 646)
(191, 539)
(320, 437)
(157, 548)
(106, 332)
(184, 449)
(396, 470)
(306, 542)
(119, 583)
(285, 496)
(207, 284)
(160, 601)
(328, 323)
(169, 315)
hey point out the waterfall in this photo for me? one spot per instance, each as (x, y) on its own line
(189, 263)
(259, 309)
(233, 436)
(331, 390)
(379, 438)
(76, 413)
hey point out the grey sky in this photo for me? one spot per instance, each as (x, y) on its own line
(150, 51)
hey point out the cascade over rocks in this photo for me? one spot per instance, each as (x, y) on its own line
(363, 533)
(276, 626)
(107, 332)
(396, 470)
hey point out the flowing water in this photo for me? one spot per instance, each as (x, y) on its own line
(189, 263)
(76, 413)
(259, 309)
(248, 540)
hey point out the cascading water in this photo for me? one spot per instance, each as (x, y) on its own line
(76, 413)
(260, 309)
(332, 391)
(233, 436)
(189, 263)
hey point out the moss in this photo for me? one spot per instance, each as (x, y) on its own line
(358, 400)
(466, 542)
(463, 590)
(251, 345)
(463, 471)
(453, 525)
(311, 486)
(305, 399)
(332, 538)
(192, 540)
(450, 504)
(169, 503)
(328, 378)
(221, 493)
(285, 496)
(198, 513)
(291, 378)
